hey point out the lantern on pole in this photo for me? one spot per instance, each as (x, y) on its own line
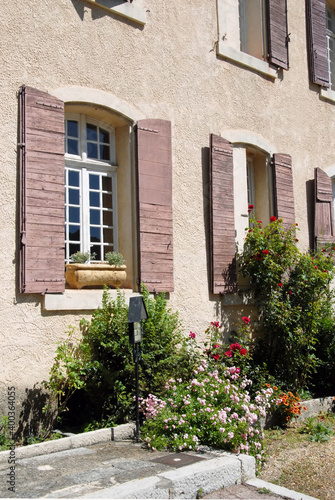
(137, 312)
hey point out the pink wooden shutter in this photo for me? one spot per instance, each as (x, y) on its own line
(223, 249)
(283, 188)
(154, 154)
(278, 35)
(323, 222)
(317, 41)
(41, 159)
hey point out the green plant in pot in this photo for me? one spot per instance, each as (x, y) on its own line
(82, 257)
(115, 259)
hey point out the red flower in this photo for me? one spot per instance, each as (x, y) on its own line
(266, 252)
(290, 292)
(235, 347)
(216, 356)
(215, 323)
(243, 352)
(250, 207)
(316, 267)
(259, 222)
(216, 346)
(246, 320)
(280, 284)
(273, 218)
(228, 354)
(192, 335)
(296, 239)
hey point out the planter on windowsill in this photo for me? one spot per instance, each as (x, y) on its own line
(95, 274)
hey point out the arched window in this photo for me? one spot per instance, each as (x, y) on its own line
(90, 187)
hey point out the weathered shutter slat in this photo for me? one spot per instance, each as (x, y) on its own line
(277, 33)
(223, 248)
(283, 188)
(154, 158)
(323, 221)
(317, 42)
(41, 159)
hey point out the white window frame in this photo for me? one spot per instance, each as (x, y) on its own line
(228, 45)
(131, 10)
(85, 166)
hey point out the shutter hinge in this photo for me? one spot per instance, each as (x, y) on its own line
(148, 130)
(287, 39)
(21, 144)
(23, 237)
(224, 151)
(48, 281)
(49, 105)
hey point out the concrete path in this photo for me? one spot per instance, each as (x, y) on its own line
(74, 468)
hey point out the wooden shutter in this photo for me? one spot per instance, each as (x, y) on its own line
(317, 41)
(283, 188)
(154, 156)
(41, 160)
(223, 249)
(323, 222)
(277, 33)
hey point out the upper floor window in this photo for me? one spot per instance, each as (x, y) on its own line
(90, 188)
(330, 17)
(254, 34)
(252, 21)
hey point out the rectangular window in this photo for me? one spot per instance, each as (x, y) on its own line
(330, 17)
(252, 21)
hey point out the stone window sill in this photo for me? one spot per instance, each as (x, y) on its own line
(327, 94)
(80, 300)
(246, 60)
(132, 11)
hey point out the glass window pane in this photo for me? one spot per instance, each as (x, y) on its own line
(107, 200)
(74, 215)
(97, 250)
(104, 152)
(108, 248)
(95, 234)
(72, 147)
(95, 217)
(107, 183)
(73, 178)
(74, 233)
(72, 128)
(108, 235)
(92, 150)
(107, 218)
(92, 134)
(74, 196)
(73, 248)
(94, 181)
(103, 135)
(94, 199)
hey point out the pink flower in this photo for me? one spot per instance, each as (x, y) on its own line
(228, 354)
(192, 335)
(215, 323)
(235, 347)
(246, 320)
(216, 346)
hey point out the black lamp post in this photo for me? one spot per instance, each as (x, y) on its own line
(137, 312)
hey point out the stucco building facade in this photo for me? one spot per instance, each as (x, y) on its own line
(174, 117)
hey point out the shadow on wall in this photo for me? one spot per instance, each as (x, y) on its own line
(37, 415)
(310, 211)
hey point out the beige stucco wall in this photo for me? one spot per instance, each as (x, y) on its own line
(166, 69)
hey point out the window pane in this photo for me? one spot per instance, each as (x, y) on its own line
(73, 248)
(107, 183)
(74, 233)
(74, 215)
(94, 181)
(108, 235)
(73, 178)
(72, 147)
(104, 152)
(97, 250)
(108, 248)
(74, 196)
(107, 200)
(92, 134)
(95, 217)
(95, 234)
(92, 150)
(72, 128)
(107, 218)
(103, 135)
(94, 199)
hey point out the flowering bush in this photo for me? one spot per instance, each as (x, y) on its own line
(291, 291)
(210, 410)
(289, 406)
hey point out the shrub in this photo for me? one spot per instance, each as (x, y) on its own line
(292, 293)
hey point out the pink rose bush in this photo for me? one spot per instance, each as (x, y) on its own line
(211, 409)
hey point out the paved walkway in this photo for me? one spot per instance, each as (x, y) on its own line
(124, 469)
